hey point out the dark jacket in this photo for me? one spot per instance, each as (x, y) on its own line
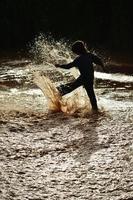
(84, 63)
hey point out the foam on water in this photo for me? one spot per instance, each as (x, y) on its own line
(114, 77)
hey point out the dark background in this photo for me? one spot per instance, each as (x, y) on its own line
(102, 23)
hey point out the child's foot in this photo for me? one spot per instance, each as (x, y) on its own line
(95, 110)
(63, 89)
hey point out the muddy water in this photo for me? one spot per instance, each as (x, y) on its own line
(47, 155)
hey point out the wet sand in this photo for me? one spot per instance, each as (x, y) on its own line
(57, 156)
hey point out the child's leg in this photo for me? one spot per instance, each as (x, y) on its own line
(69, 87)
(91, 94)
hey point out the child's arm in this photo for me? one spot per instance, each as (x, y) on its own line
(65, 66)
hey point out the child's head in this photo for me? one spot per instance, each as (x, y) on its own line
(79, 48)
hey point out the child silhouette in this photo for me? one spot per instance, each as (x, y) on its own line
(84, 63)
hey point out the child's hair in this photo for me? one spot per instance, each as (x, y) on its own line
(78, 47)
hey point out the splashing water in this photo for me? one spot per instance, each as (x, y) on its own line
(49, 91)
(47, 51)
(74, 103)
(50, 52)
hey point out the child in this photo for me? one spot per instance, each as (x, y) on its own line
(84, 62)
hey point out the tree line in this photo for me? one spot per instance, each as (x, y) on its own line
(99, 22)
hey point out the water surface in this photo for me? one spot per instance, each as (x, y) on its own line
(59, 155)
